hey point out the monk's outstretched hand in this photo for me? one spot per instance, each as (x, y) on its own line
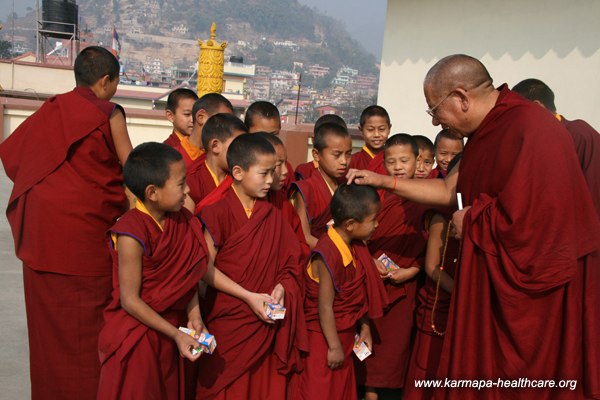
(364, 177)
(256, 302)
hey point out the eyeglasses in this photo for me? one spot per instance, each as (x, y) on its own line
(431, 111)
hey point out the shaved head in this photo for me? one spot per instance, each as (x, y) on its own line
(457, 71)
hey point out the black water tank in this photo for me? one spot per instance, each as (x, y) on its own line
(65, 11)
(236, 59)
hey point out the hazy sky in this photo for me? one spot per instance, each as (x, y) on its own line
(363, 19)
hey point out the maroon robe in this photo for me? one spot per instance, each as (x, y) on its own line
(201, 182)
(359, 292)
(427, 347)
(517, 305)
(280, 201)
(400, 235)
(258, 253)
(317, 198)
(216, 195)
(190, 164)
(68, 190)
(137, 361)
(587, 147)
(306, 170)
(437, 173)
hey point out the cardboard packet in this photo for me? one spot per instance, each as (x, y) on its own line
(275, 311)
(207, 342)
(360, 348)
(388, 263)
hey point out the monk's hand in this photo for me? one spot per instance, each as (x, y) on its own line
(457, 222)
(335, 357)
(278, 294)
(186, 344)
(398, 276)
(383, 272)
(365, 335)
(256, 302)
(364, 177)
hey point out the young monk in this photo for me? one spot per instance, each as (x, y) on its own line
(262, 116)
(332, 149)
(65, 161)
(375, 127)
(253, 246)
(433, 302)
(159, 255)
(179, 112)
(343, 290)
(204, 108)
(447, 146)
(278, 197)
(217, 134)
(400, 237)
(426, 158)
(307, 169)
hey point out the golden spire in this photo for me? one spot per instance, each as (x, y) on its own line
(210, 64)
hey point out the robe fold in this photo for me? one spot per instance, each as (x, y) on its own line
(587, 147)
(68, 190)
(306, 170)
(427, 347)
(201, 182)
(359, 292)
(137, 361)
(317, 198)
(517, 305)
(280, 201)
(400, 235)
(258, 253)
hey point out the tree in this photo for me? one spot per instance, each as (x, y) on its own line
(5, 49)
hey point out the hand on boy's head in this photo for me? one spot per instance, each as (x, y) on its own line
(186, 344)
(364, 177)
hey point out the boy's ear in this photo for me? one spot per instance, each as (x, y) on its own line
(215, 145)
(201, 116)
(170, 116)
(237, 173)
(349, 224)
(315, 154)
(151, 193)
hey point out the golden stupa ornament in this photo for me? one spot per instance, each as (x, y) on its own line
(210, 64)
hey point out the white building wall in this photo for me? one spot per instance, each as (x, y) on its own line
(552, 40)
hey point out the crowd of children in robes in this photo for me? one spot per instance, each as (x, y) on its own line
(223, 234)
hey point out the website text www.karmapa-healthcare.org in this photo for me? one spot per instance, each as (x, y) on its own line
(499, 383)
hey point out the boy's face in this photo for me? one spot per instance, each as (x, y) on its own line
(400, 161)
(269, 125)
(182, 117)
(446, 150)
(424, 163)
(335, 157)
(256, 181)
(364, 229)
(375, 132)
(281, 171)
(171, 196)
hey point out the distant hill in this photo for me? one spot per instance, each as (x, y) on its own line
(275, 33)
